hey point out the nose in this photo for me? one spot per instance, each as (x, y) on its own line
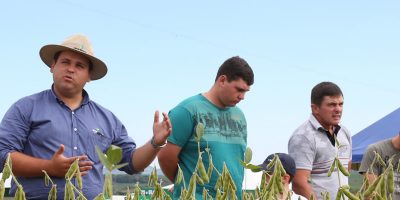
(338, 108)
(71, 68)
(241, 96)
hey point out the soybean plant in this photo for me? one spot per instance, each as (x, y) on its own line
(7, 172)
(110, 160)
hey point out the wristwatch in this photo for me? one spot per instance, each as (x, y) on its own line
(156, 146)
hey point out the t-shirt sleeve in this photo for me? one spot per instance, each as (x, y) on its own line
(367, 160)
(302, 151)
(348, 135)
(182, 126)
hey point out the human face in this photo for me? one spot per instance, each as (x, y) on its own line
(329, 112)
(231, 92)
(285, 178)
(70, 73)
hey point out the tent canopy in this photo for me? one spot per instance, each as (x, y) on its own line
(385, 128)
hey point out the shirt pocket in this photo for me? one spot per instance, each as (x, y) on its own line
(99, 139)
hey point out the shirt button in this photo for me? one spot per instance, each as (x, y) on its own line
(75, 129)
(73, 113)
(75, 148)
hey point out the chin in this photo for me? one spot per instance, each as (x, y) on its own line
(232, 104)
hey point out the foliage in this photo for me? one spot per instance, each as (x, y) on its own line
(381, 188)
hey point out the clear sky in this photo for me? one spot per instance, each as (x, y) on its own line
(159, 53)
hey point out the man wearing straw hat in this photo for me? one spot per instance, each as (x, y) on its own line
(51, 129)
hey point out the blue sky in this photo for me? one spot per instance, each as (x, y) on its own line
(159, 53)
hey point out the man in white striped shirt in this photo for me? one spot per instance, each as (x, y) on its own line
(314, 148)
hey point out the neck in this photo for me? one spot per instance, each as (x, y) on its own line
(72, 101)
(211, 95)
(329, 128)
(285, 192)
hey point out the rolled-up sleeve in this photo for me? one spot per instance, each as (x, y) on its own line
(127, 145)
(14, 130)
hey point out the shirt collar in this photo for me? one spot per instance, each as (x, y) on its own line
(317, 126)
(85, 101)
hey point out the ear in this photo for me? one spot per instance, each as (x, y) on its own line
(52, 66)
(221, 79)
(314, 108)
(286, 178)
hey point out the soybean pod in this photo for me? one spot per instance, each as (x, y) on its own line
(201, 169)
(342, 168)
(332, 168)
(390, 178)
(349, 195)
(372, 187)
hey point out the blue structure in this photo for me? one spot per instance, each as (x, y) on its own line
(385, 128)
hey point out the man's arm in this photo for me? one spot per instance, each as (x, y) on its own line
(28, 166)
(371, 177)
(300, 183)
(144, 156)
(168, 160)
(349, 167)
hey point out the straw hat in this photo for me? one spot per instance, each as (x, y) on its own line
(79, 44)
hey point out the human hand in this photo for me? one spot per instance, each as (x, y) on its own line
(161, 130)
(85, 165)
(59, 164)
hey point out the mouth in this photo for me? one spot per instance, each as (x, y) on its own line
(337, 117)
(68, 78)
(236, 102)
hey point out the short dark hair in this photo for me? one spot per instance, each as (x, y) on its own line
(56, 55)
(235, 68)
(324, 89)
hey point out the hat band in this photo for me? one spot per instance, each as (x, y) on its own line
(81, 50)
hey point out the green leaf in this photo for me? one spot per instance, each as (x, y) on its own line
(248, 154)
(114, 154)
(120, 166)
(103, 159)
(243, 163)
(254, 168)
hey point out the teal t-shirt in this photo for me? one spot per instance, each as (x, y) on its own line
(225, 133)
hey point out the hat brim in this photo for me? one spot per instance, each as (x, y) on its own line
(47, 53)
(263, 167)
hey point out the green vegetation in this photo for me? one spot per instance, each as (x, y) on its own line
(381, 188)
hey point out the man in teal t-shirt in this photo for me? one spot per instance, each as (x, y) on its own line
(225, 130)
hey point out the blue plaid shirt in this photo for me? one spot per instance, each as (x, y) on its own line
(36, 126)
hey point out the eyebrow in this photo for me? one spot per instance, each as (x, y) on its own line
(242, 89)
(78, 62)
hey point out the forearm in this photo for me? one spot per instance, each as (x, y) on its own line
(304, 189)
(143, 156)
(28, 166)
